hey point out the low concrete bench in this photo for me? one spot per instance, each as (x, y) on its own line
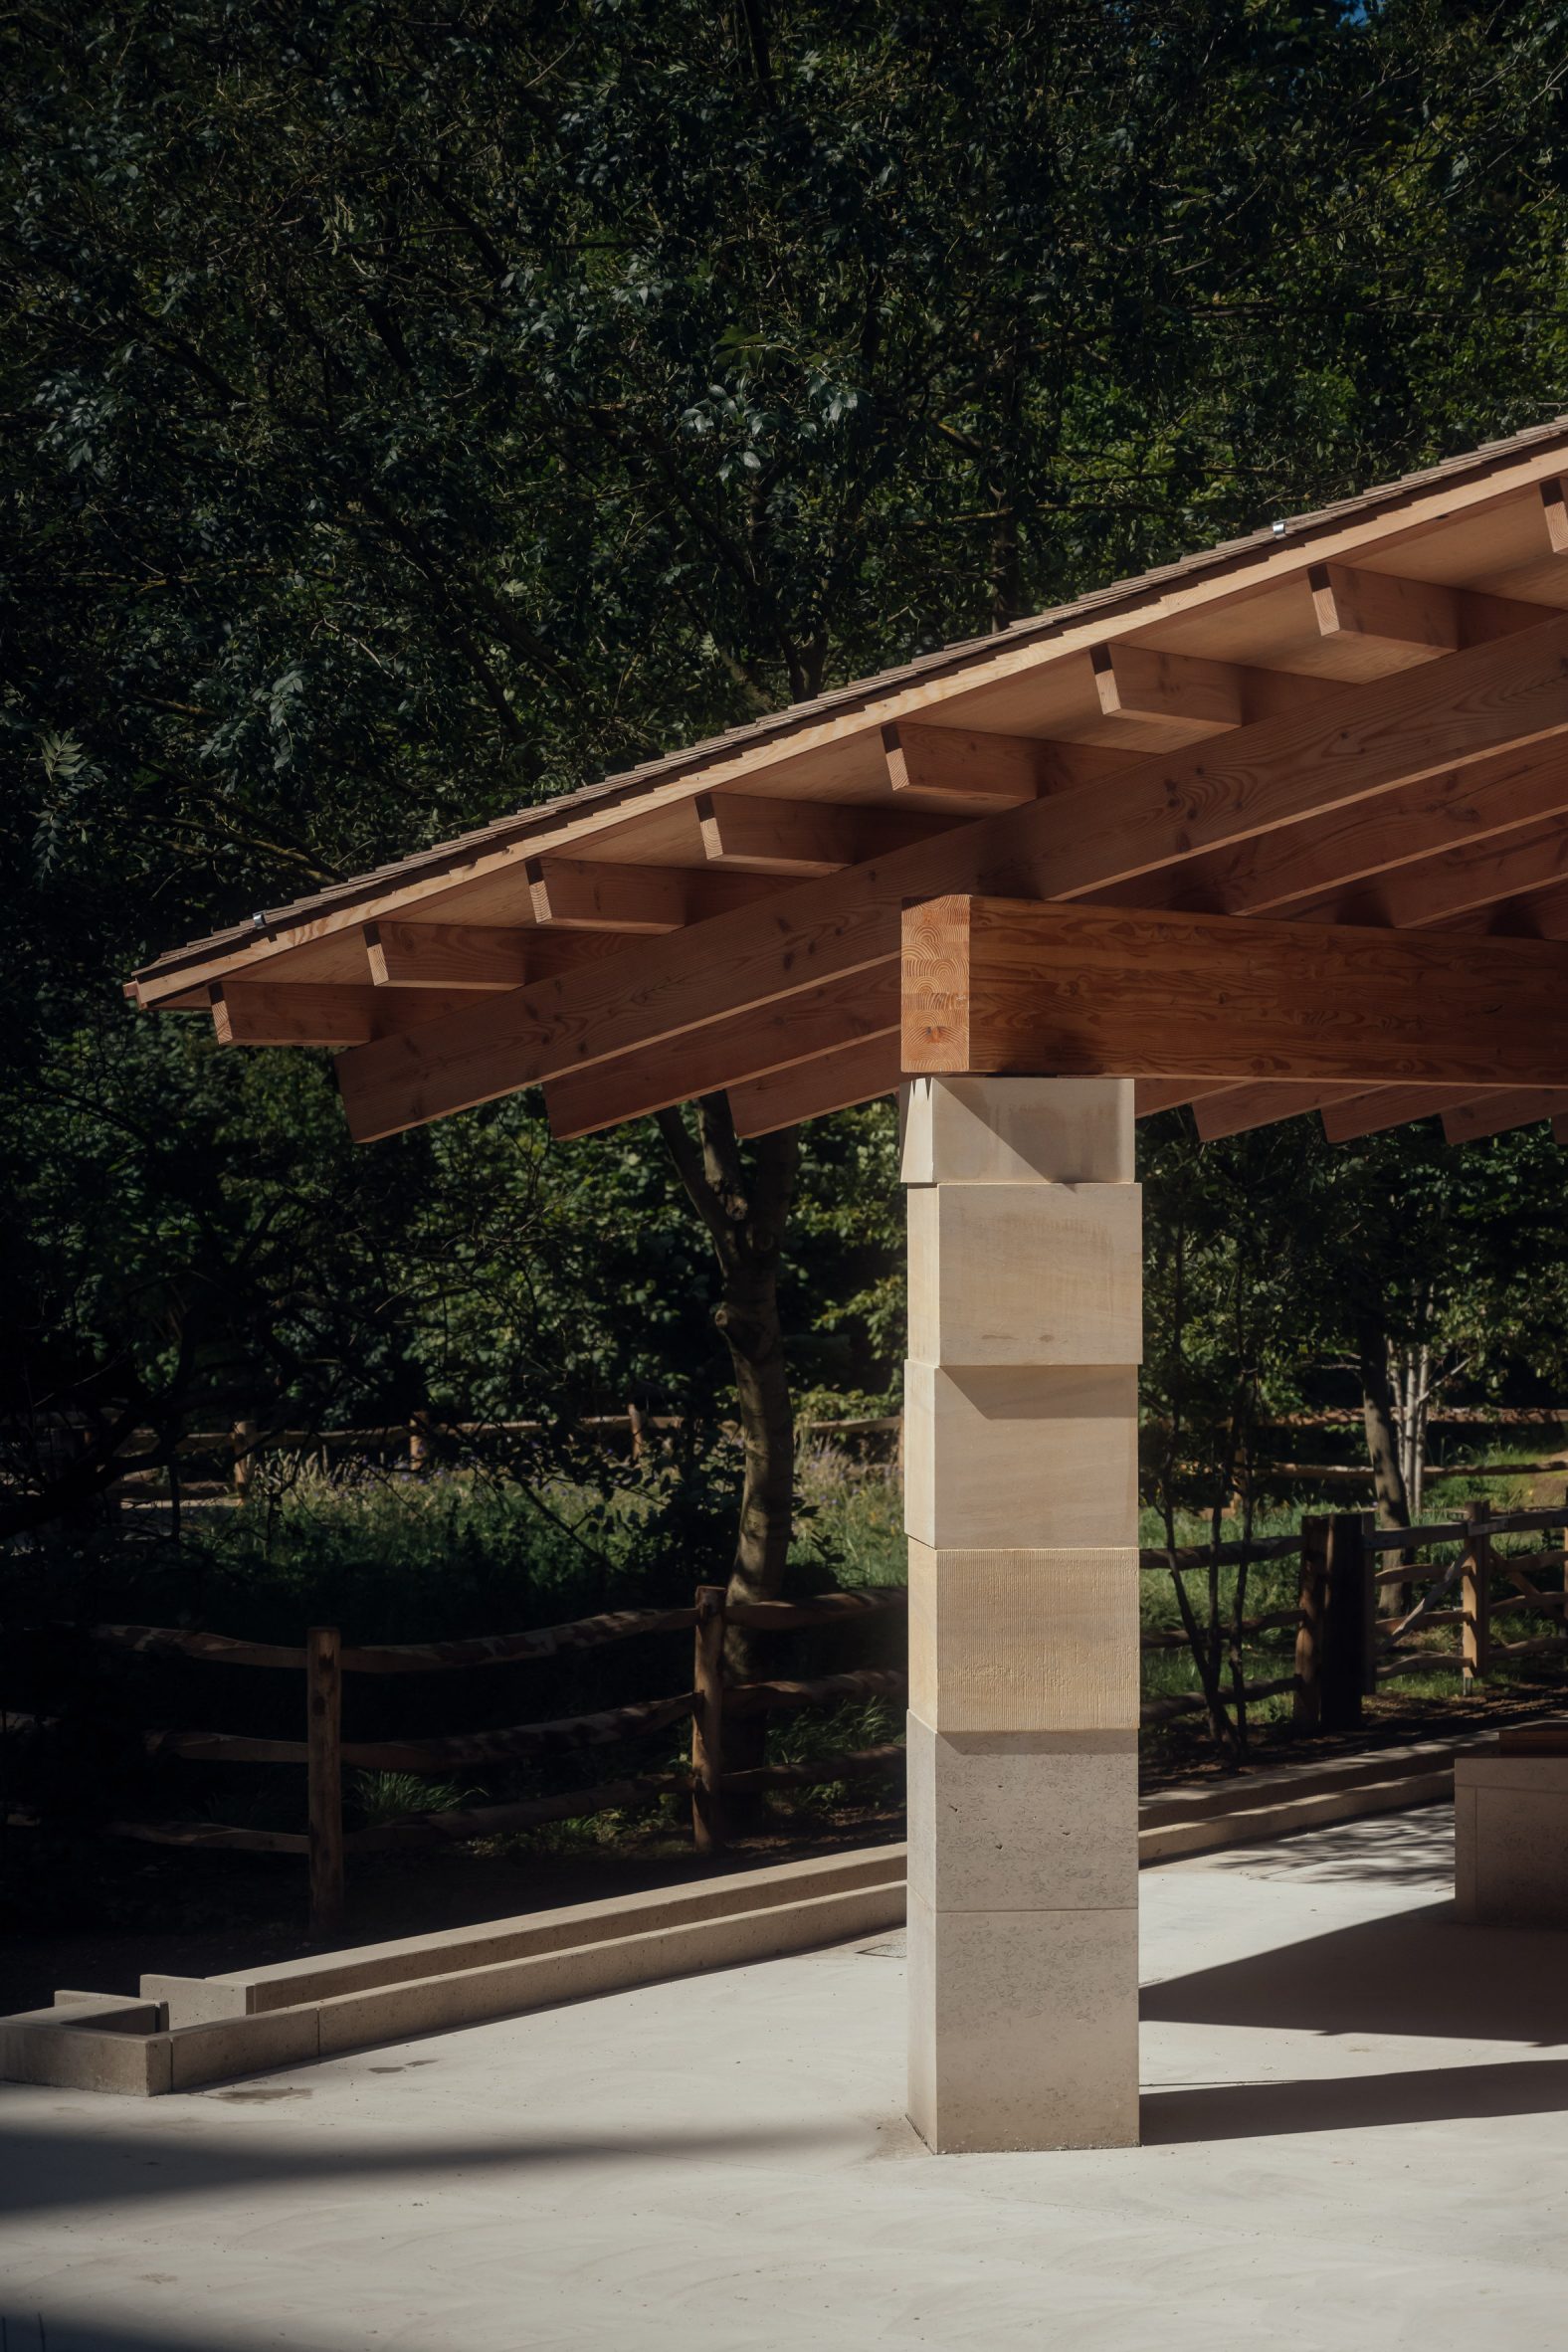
(1510, 1821)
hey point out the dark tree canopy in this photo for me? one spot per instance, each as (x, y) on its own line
(407, 416)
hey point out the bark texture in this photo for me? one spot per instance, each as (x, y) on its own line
(745, 1209)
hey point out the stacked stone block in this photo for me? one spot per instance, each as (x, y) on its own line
(1021, 1508)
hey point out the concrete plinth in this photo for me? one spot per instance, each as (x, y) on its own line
(1510, 1848)
(1021, 1505)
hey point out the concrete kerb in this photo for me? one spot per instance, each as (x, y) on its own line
(186, 2032)
(431, 1984)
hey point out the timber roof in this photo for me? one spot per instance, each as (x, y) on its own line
(1241, 641)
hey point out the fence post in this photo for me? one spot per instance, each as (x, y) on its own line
(1348, 1655)
(244, 1457)
(323, 1684)
(1476, 1595)
(1312, 1592)
(707, 1722)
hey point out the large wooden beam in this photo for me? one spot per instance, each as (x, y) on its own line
(1496, 1113)
(769, 1038)
(1017, 986)
(839, 1081)
(1362, 741)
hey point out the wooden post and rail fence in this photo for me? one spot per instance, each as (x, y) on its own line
(1341, 1652)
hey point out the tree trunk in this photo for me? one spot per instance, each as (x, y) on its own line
(1377, 1405)
(746, 1211)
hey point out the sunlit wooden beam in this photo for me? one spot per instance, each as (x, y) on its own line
(1012, 985)
(769, 1038)
(445, 955)
(267, 1013)
(840, 1081)
(743, 830)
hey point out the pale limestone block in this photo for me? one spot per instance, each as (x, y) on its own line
(1025, 1641)
(1017, 1130)
(1023, 2028)
(1025, 1274)
(1023, 1821)
(1021, 1457)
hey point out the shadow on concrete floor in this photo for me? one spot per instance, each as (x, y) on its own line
(43, 2169)
(1388, 1849)
(1419, 1972)
(1355, 2102)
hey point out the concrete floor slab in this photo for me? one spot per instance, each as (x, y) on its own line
(1354, 2135)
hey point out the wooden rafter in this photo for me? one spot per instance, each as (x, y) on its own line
(835, 1080)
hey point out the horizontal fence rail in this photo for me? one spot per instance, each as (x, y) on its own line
(1361, 1618)
(324, 1660)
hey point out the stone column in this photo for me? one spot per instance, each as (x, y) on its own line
(1021, 1508)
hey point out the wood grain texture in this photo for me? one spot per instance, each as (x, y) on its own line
(256, 1013)
(1363, 740)
(838, 1080)
(445, 955)
(752, 834)
(1496, 1113)
(1236, 1111)
(863, 1009)
(1016, 985)
(1390, 1106)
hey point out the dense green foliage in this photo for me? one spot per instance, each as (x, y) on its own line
(404, 418)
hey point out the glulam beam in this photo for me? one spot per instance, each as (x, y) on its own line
(1013, 986)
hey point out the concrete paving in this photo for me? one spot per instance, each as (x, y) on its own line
(1355, 2120)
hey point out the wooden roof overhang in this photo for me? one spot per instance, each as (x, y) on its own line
(1116, 837)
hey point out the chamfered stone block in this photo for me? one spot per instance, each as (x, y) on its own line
(1025, 1274)
(1022, 1819)
(1023, 2028)
(1021, 1457)
(1025, 1641)
(1017, 1130)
